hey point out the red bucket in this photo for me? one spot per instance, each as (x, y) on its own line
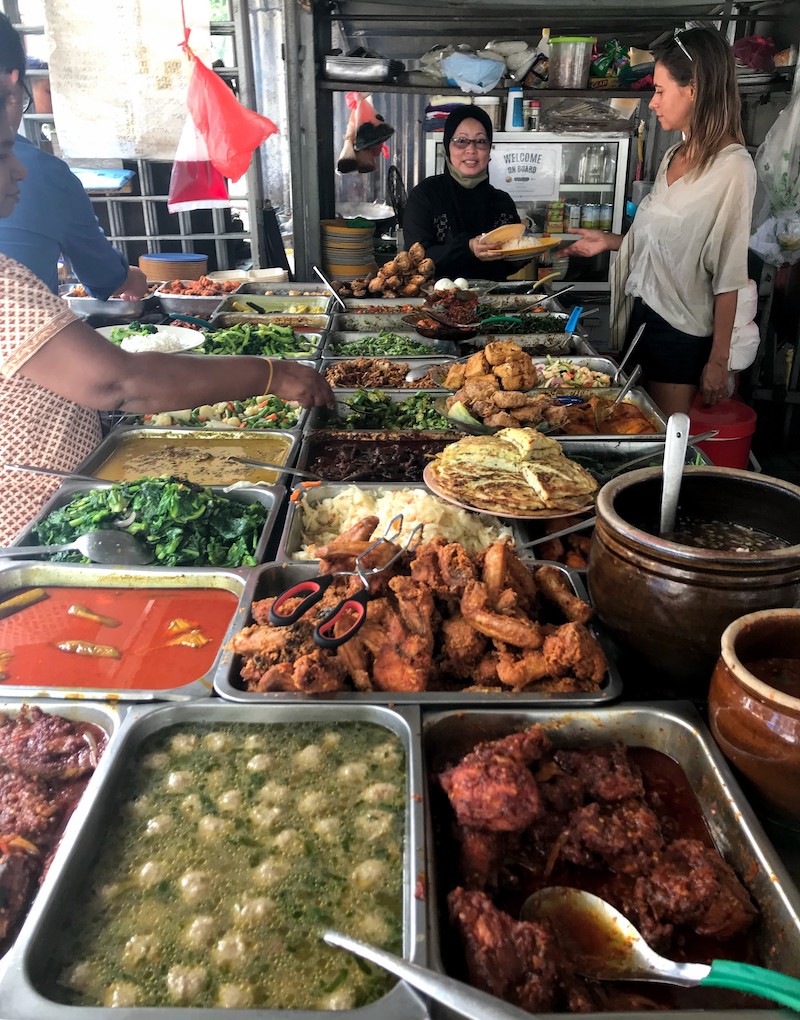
(734, 421)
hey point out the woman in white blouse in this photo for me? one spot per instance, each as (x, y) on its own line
(685, 257)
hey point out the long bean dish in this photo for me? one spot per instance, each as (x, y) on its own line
(384, 344)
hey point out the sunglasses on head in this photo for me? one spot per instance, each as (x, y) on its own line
(668, 37)
(464, 143)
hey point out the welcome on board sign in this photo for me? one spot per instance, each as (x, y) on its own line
(528, 172)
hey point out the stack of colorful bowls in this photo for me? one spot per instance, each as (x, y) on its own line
(347, 252)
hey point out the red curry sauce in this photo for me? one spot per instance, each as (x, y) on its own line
(147, 660)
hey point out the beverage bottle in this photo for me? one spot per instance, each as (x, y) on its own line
(515, 119)
(534, 115)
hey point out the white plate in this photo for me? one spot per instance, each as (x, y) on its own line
(188, 338)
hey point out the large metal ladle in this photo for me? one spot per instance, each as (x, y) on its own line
(674, 460)
(605, 946)
(107, 546)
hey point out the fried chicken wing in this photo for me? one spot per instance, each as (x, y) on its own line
(521, 633)
(462, 647)
(455, 377)
(573, 651)
(455, 567)
(517, 671)
(554, 587)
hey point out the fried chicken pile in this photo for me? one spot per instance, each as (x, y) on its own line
(403, 276)
(526, 813)
(438, 620)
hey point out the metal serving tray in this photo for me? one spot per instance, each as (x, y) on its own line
(312, 441)
(511, 302)
(388, 306)
(113, 307)
(270, 496)
(35, 574)
(445, 348)
(107, 718)
(274, 578)
(28, 960)
(223, 318)
(536, 344)
(675, 729)
(324, 417)
(189, 304)
(298, 289)
(269, 303)
(291, 540)
(595, 364)
(238, 439)
(640, 399)
(357, 68)
(419, 365)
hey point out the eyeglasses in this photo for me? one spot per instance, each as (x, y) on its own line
(27, 98)
(464, 143)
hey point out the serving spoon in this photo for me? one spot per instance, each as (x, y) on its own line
(107, 546)
(469, 1002)
(678, 428)
(605, 946)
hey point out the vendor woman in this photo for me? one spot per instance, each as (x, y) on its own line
(449, 213)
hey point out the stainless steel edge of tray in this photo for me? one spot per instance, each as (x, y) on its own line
(313, 337)
(277, 304)
(674, 728)
(382, 302)
(291, 536)
(42, 574)
(118, 436)
(270, 496)
(535, 344)
(297, 291)
(300, 322)
(272, 579)
(29, 957)
(444, 348)
(594, 364)
(113, 307)
(368, 323)
(511, 302)
(322, 417)
(328, 437)
(136, 420)
(416, 363)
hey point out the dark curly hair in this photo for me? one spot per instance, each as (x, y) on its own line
(717, 108)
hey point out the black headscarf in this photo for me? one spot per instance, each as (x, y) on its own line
(463, 113)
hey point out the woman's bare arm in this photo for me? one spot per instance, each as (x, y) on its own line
(82, 366)
(714, 380)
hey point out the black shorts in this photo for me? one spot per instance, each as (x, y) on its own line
(665, 354)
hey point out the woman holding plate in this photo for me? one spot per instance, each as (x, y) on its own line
(448, 214)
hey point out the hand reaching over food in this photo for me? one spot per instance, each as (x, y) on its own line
(291, 381)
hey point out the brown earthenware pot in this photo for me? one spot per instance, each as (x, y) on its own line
(670, 603)
(757, 726)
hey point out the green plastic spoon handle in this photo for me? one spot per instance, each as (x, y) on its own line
(513, 319)
(744, 977)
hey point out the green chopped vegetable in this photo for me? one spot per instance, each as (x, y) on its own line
(264, 339)
(537, 323)
(385, 343)
(119, 333)
(264, 412)
(185, 525)
(373, 409)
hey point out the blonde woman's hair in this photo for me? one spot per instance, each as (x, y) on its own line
(717, 108)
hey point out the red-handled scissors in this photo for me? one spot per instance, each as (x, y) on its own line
(314, 588)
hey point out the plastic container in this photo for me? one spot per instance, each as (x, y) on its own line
(735, 422)
(515, 118)
(491, 106)
(570, 57)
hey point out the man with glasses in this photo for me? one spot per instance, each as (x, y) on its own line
(54, 216)
(449, 213)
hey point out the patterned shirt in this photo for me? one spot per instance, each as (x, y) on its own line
(37, 426)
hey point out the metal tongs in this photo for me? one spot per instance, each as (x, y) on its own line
(315, 587)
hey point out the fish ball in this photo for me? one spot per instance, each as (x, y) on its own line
(200, 931)
(233, 951)
(374, 824)
(212, 828)
(151, 873)
(139, 948)
(195, 886)
(155, 761)
(312, 803)
(259, 763)
(120, 993)
(373, 928)
(379, 793)
(310, 757)
(159, 825)
(253, 910)
(192, 806)
(330, 740)
(265, 817)
(255, 742)
(179, 782)
(341, 998)
(182, 743)
(289, 839)
(327, 828)
(270, 872)
(218, 742)
(235, 996)
(370, 874)
(81, 976)
(230, 800)
(353, 772)
(273, 793)
(185, 984)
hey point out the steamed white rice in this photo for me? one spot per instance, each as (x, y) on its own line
(325, 520)
(160, 341)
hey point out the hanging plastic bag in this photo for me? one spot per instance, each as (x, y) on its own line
(365, 138)
(194, 182)
(232, 132)
(776, 212)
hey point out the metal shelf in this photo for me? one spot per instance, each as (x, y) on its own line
(446, 90)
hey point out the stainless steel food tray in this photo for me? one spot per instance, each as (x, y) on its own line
(291, 540)
(444, 348)
(323, 417)
(368, 323)
(357, 68)
(270, 496)
(37, 574)
(107, 718)
(238, 439)
(283, 305)
(219, 322)
(640, 399)
(419, 365)
(318, 324)
(272, 579)
(327, 438)
(298, 289)
(536, 344)
(594, 364)
(113, 307)
(188, 304)
(29, 958)
(123, 420)
(512, 302)
(389, 304)
(675, 729)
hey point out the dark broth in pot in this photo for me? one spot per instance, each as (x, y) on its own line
(724, 536)
(782, 674)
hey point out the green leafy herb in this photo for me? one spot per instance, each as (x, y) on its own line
(373, 409)
(183, 524)
(385, 343)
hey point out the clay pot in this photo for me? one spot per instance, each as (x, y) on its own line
(757, 726)
(670, 603)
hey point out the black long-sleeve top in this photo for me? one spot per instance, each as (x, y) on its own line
(443, 216)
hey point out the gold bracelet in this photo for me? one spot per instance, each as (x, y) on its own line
(271, 371)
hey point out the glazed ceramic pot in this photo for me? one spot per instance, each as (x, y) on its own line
(756, 725)
(669, 603)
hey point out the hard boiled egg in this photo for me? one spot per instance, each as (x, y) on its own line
(461, 283)
(444, 284)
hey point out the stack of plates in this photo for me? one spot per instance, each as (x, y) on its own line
(347, 252)
(166, 266)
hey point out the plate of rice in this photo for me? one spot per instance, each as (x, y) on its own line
(142, 338)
